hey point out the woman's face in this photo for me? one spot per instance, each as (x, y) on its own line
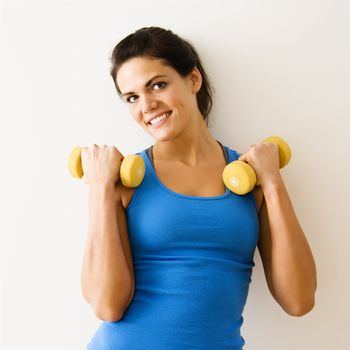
(152, 89)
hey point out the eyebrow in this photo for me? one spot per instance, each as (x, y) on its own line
(146, 85)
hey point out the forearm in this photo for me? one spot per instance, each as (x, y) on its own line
(292, 266)
(106, 280)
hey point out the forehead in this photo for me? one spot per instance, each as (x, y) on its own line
(134, 73)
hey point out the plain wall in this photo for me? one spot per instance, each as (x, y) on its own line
(277, 67)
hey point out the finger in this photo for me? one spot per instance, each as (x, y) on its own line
(119, 153)
(84, 179)
(84, 151)
(95, 149)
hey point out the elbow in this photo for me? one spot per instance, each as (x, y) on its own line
(301, 304)
(112, 312)
(109, 307)
(104, 312)
(109, 313)
(302, 309)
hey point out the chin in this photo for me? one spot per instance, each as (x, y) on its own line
(161, 138)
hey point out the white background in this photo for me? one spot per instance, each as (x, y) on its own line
(277, 67)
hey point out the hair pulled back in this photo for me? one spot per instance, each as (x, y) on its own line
(163, 44)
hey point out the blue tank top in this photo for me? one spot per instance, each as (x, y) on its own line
(193, 260)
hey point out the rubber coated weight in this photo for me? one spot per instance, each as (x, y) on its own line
(285, 152)
(132, 169)
(240, 178)
(74, 163)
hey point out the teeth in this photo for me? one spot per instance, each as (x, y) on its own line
(158, 119)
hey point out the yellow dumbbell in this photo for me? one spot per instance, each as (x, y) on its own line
(239, 177)
(132, 169)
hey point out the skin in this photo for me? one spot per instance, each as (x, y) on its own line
(186, 147)
(185, 142)
(185, 138)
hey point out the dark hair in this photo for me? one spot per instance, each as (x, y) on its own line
(176, 52)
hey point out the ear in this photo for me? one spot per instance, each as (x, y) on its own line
(196, 79)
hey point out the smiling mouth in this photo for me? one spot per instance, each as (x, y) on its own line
(159, 119)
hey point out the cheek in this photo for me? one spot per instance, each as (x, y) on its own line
(176, 99)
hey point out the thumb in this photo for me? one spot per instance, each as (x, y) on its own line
(241, 157)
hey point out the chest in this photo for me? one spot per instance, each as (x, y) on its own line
(203, 181)
(186, 182)
(161, 222)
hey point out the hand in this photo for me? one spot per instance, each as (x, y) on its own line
(101, 165)
(263, 157)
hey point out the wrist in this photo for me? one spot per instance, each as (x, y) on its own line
(272, 184)
(101, 189)
(101, 193)
(104, 185)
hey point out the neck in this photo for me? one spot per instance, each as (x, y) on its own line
(194, 145)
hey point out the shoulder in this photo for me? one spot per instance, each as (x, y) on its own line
(119, 191)
(123, 194)
(233, 153)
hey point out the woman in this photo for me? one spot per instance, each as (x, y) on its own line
(168, 264)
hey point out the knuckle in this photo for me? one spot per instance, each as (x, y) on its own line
(117, 150)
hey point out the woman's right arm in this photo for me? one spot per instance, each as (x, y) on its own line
(107, 276)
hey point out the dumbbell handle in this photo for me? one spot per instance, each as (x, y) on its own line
(132, 168)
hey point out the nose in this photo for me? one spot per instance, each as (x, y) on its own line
(148, 104)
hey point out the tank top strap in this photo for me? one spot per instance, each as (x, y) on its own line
(225, 151)
(149, 152)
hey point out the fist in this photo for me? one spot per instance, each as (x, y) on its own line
(101, 165)
(263, 157)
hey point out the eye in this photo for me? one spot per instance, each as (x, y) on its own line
(161, 85)
(130, 99)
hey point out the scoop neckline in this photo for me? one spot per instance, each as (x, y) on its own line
(160, 183)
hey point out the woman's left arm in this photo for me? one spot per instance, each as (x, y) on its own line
(287, 259)
(289, 266)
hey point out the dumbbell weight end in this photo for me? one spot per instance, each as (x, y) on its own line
(132, 170)
(74, 163)
(239, 177)
(284, 151)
